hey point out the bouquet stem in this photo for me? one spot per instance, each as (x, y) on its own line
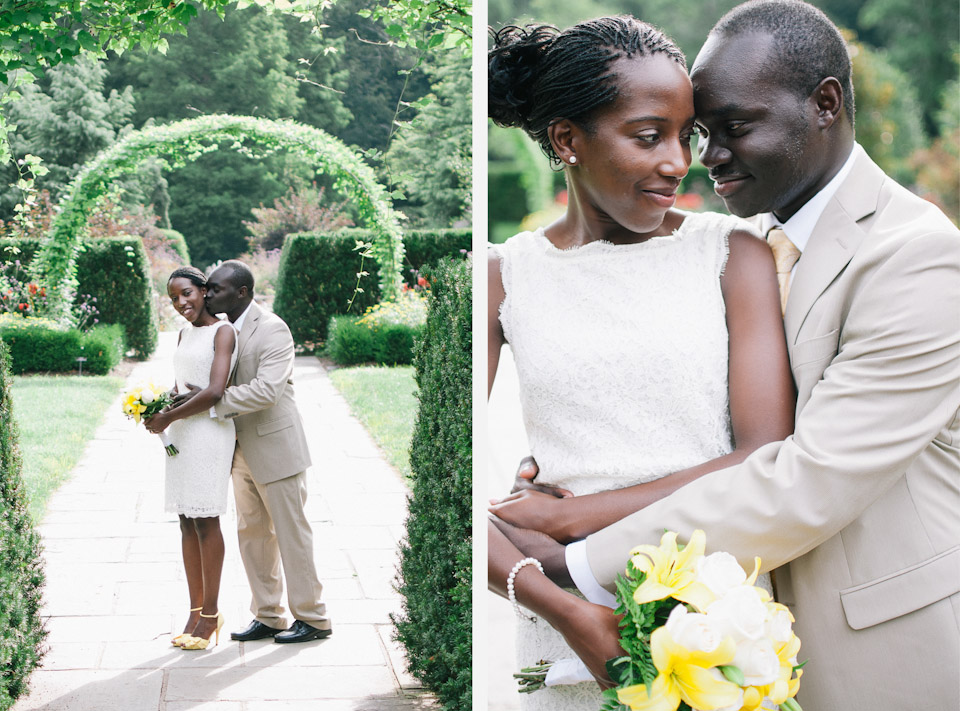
(533, 678)
(168, 445)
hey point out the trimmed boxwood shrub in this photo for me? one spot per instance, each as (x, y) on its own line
(116, 272)
(103, 346)
(317, 277)
(35, 346)
(318, 274)
(40, 346)
(21, 565)
(179, 244)
(352, 343)
(428, 247)
(435, 557)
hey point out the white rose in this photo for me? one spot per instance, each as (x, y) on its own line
(740, 613)
(692, 630)
(779, 627)
(758, 661)
(720, 572)
(147, 396)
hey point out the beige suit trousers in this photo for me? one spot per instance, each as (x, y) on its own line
(273, 531)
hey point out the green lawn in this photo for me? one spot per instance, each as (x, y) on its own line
(383, 399)
(57, 415)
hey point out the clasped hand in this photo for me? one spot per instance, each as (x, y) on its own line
(159, 422)
(535, 506)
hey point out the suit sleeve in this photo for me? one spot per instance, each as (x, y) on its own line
(274, 370)
(892, 387)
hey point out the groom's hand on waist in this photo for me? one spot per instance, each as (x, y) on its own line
(527, 473)
(181, 398)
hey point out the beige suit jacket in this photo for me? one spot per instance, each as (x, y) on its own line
(861, 506)
(260, 399)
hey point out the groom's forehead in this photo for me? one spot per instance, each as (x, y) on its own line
(732, 60)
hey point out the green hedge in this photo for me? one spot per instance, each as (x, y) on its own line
(352, 343)
(179, 244)
(103, 346)
(21, 565)
(115, 271)
(435, 556)
(38, 347)
(318, 274)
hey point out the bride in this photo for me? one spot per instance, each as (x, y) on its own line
(648, 341)
(197, 478)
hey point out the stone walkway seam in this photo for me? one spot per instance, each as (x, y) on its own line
(116, 590)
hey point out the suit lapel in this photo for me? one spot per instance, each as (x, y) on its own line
(834, 241)
(250, 325)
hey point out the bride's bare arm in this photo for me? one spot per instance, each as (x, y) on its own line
(495, 339)
(762, 401)
(590, 630)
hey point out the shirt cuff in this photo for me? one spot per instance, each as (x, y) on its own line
(579, 568)
(213, 412)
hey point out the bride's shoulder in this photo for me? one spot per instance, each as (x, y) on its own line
(717, 223)
(522, 241)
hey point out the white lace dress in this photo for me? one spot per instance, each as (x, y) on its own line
(621, 356)
(197, 477)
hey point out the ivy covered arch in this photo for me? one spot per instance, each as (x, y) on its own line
(177, 144)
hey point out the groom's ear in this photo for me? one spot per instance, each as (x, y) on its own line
(563, 138)
(828, 97)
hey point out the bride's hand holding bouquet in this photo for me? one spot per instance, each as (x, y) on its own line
(697, 635)
(146, 401)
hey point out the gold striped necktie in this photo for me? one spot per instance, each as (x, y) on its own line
(785, 254)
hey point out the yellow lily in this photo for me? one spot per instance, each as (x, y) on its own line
(684, 676)
(672, 572)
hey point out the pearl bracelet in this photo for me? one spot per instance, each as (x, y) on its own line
(511, 593)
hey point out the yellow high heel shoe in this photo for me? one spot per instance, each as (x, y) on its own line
(179, 639)
(194, 643)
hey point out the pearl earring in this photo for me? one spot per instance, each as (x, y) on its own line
(573, 160)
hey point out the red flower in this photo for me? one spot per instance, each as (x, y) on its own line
(421, 281)
(22, 307)
(32, 287)
(43, 291)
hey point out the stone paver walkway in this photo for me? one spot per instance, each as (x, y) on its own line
(116, 590)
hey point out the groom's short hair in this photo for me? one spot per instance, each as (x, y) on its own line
(808, 46)
(240, 274)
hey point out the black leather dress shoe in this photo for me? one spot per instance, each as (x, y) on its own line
(301, 632)
(255, 630)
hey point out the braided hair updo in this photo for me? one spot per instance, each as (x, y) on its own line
(538, 75)
(192, 273)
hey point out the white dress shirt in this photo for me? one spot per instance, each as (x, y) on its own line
(798, 229)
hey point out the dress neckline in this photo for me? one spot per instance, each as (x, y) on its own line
(215, 323)
(607, 245)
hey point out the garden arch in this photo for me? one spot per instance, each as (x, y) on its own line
(177, 144)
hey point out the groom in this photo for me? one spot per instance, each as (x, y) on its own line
(859, 510)
(269, 463)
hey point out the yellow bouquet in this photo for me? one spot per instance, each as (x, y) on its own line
(144, 400)
(698, 635)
